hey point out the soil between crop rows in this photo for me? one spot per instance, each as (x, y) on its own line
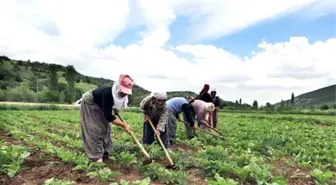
(38, 167)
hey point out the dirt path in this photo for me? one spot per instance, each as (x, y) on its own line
(34, 104)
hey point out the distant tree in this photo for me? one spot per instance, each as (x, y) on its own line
(292, 99)
(282, 103)
(18, 77)
(324, 107)
(268, 105)
(53, 78)
(62, 97)
(240, 101)
(70, 76)
(2, 95)
(255, 104)
(3, 57)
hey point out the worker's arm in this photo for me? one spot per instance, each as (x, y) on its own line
(163, 120)
(188, 115)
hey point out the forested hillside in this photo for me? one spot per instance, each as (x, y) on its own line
(28, 81)
(325, 96)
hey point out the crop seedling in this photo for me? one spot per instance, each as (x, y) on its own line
(55, 181)
(125, 159)
(145, 181)
(11, 158)
(103, 174)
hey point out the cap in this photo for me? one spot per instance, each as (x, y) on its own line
(126, 84)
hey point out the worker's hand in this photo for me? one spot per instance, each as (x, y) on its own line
(127, 128)
(147, 118)
(157, 132)
(207, 125)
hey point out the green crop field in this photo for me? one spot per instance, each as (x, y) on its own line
(45, 147)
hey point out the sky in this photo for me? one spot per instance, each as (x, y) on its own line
(254, 50)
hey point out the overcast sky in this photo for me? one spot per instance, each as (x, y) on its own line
(255, 50)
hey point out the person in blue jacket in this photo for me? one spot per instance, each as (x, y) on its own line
(176, 106)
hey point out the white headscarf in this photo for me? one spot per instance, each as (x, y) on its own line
(119, 102)
(209, 106)
(159, 95)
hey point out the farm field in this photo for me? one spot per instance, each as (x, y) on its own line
(44, 147)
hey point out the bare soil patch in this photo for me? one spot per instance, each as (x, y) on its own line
(293, 174)
(39, 167)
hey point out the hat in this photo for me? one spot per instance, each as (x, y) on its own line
(206, 86)
(126, 84)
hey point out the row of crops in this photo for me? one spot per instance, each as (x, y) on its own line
(258, 149)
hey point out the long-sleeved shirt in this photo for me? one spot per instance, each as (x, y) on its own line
(200, 110)
(180, 104)
(102, 96)
(155, 113)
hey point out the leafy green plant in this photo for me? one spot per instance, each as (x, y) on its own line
(55, 181)
(125, 159)
(322, 177)
(145, 181)
(11, 158)
(87, 167)
(103, 174)
(221, 181)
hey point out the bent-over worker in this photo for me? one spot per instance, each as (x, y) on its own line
(96, 114)
(203, 112)
(155, 108)
(176, 106)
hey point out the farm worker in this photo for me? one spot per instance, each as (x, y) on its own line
(176, 106)
(204, 95)
(216, 102)
(155, 108)
(96, 114)
(203, 112)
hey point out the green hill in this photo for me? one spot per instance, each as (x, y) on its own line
(27, 81)
(319, 97)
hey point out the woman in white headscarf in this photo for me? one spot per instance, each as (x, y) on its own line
(203, 112)
(96, 114)
(155, 109)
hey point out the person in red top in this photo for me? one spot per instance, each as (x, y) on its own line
(204, 95)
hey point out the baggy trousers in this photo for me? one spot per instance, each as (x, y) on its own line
(172, 126)
(95, 130)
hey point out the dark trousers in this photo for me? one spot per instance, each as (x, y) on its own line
(214, 118)
(189, 131)
(149, 136)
